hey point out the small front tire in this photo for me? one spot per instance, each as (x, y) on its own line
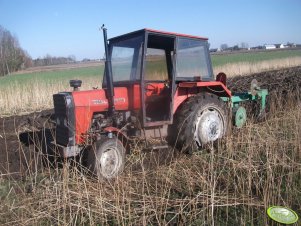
(106, 159)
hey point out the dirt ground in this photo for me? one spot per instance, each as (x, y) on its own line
(18, 157)
(279, 81)
(16, 135)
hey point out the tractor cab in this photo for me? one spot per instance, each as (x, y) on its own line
(151, 63)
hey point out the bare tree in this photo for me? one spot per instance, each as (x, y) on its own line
(72, 58)
(12, 56)
(244, 45)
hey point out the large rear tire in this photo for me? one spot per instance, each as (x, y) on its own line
(106, 159)
(202, 119)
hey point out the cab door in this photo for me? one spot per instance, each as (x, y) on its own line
(157, 81)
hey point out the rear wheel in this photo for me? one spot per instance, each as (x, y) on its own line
(106, 159)
(200, 120)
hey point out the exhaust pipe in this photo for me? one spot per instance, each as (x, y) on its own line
(108, 74)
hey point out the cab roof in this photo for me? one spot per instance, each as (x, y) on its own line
(152, 31)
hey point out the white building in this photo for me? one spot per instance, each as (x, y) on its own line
(269, 46)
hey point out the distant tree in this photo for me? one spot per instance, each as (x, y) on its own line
(235, 48)
(48, 60)
(86, 60)
(224, 46)
(244, 45)
(51, 60)
(72, 58)
(12, 56)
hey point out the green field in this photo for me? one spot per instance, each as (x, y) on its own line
(53, 76)
(253, 57)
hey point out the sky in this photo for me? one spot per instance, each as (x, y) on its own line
(71, 27)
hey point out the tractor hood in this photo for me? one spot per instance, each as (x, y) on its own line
(96, 100)
(86, 103)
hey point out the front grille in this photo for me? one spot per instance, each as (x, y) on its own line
(64, 113)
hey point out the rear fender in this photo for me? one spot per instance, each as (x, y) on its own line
(187, 89)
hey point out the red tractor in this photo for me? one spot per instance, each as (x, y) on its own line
(156, 85)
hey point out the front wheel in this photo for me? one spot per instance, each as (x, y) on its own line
(107, 158)
(200, 120)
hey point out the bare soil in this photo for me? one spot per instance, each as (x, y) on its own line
(278, 82)
(16, 135)
(18, 157)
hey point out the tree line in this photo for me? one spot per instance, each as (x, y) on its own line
(14, 58)
(50, 60)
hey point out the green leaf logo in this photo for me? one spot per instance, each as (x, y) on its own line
(282, 215)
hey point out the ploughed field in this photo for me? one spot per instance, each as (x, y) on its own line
(18, 157)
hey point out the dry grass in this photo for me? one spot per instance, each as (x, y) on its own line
(255, 167)
(18, 99)
(245, 68)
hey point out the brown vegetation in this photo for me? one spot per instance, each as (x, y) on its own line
(247, 68)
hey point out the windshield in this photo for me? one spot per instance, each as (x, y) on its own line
(126, 59)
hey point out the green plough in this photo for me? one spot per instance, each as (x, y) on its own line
(239, 111)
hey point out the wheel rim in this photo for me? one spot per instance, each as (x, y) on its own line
(109, 162)
(240, 117)
(209, 126)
